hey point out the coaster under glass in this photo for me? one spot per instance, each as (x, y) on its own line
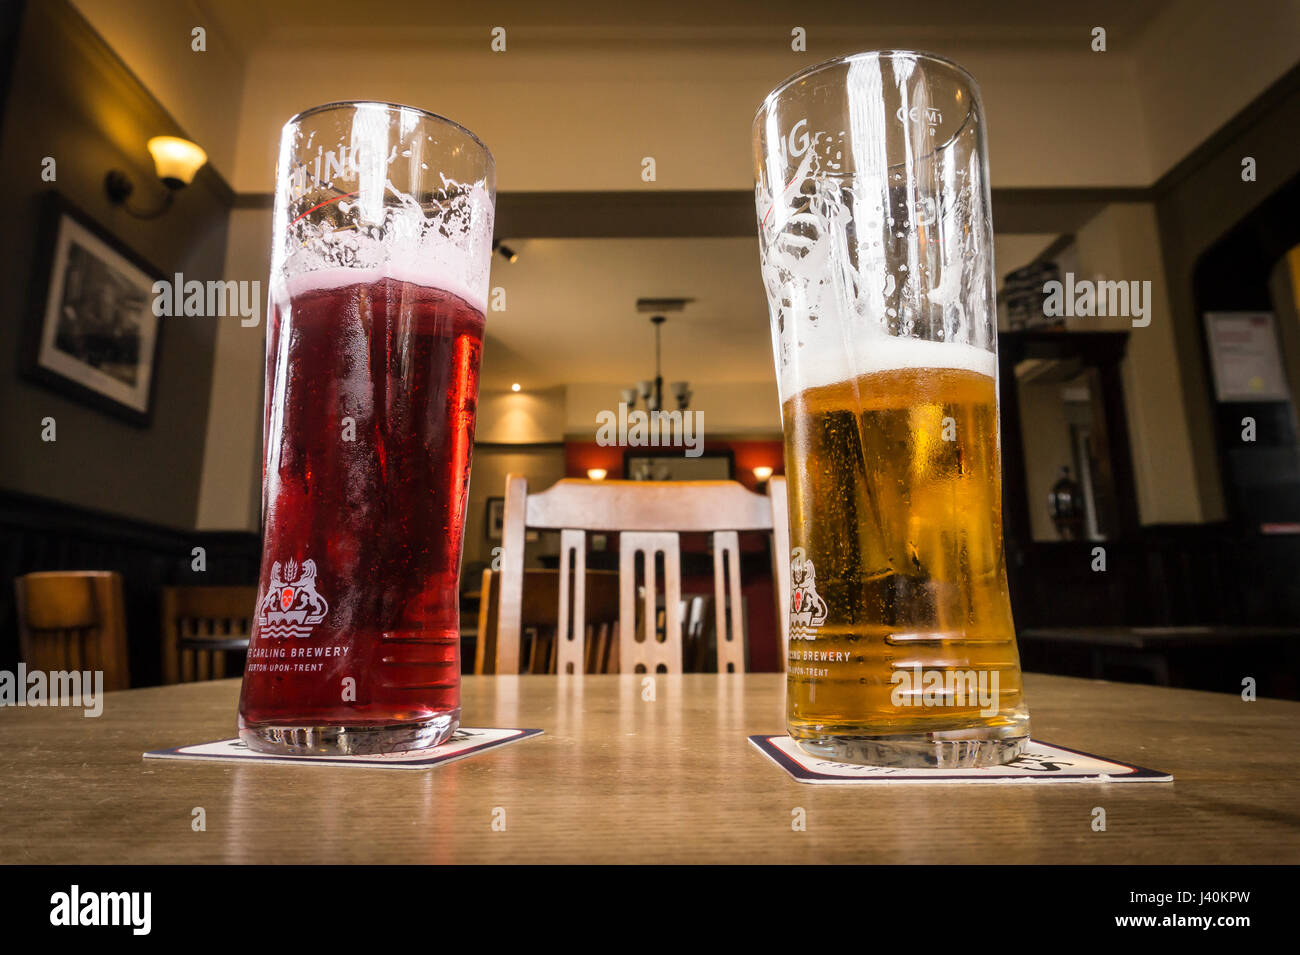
(954, 749)
(350, 740)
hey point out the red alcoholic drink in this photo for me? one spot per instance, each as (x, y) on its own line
(365, 476)
(380, 258)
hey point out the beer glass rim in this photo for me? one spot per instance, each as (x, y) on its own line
(387, 104)
(803, 74)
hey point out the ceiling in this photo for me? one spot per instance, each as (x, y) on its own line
(253, 25)
(571, 313)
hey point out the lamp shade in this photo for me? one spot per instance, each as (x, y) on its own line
(596, 474)
(762, 473)
(176, 159)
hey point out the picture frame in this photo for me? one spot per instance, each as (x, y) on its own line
(92, 334)
(496, 518)
(640, 464)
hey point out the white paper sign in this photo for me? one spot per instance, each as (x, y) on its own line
(1244, 351)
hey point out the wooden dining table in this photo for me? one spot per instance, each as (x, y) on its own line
(618, 777)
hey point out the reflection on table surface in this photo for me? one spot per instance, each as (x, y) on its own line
(648, 772)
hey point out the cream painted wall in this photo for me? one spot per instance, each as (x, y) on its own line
(734, 408)
(542, 466)
(229, 494)
(1186, 55)
(1121, 243)
(524, 417)
(202, 91)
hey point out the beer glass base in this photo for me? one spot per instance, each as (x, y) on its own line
(955, 750)
(344, 740)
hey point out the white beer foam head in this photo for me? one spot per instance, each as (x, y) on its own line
(325, 279)
(816, 360)
(448, 248)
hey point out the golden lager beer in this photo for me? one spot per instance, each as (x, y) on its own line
(900, 618)
(876, 238)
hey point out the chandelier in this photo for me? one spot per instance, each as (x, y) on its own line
(652, 392)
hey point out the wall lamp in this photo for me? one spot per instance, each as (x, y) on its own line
(176, 161)
(508, 253)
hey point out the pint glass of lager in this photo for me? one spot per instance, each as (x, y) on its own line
(872, 195)
(381, 244)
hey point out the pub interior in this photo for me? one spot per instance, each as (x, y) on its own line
(1150, 459)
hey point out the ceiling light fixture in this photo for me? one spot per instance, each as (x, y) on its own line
(652, 392)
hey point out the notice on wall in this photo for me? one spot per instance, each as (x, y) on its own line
(1245, 355)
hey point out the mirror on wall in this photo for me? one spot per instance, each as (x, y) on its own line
(1068, 470)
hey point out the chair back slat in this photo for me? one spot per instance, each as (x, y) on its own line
(74, 620)
(485, 646)
(201, 626)
(777, 491)
(726, 602)
(572, 618)
(642, 648)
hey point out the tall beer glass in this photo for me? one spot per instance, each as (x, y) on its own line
(381, 247)
(877, 255)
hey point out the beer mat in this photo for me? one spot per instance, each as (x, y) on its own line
(1039, 763)
(464, 742)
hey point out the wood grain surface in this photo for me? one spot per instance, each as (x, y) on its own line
(618, 779)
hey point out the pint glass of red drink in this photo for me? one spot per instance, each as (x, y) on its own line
(382, 244)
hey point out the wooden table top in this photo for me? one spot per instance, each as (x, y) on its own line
(616, 779)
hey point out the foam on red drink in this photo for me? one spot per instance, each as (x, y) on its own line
(372, 389)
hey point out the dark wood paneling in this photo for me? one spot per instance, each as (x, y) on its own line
(1161, 575)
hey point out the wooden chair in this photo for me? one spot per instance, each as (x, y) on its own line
(649, 517)
(201, 625)
(74, 620)
(540, 613)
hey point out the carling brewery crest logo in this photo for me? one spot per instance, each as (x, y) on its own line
(807, 609)
(291, 607)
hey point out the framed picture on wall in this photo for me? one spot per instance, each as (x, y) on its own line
(675, 466)
(496, 517)
(92, 334)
